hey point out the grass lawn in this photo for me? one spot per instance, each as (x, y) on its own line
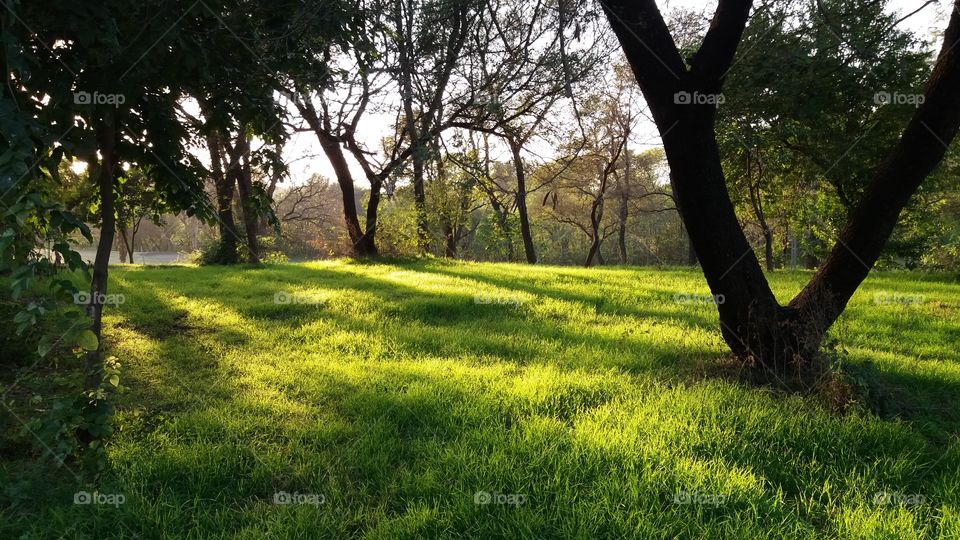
(447, 400)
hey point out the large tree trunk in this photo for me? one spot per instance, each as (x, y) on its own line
(522, 213)
(753, 324)
(224, 186)
(106, 140)
(245, 191)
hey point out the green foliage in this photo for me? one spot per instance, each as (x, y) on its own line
(75, 429)
(213, 253)
(807, 119)
(397, 227)
(269, 253)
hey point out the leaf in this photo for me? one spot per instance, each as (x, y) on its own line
(88, 341)
(44, 346)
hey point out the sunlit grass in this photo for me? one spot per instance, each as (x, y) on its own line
(397, 392)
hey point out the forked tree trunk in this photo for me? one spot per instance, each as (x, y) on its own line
(360, 246)
(754, 325)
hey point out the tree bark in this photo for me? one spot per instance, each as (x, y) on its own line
(368, 243)
(768, 248)
(596, 216)
(753, 324)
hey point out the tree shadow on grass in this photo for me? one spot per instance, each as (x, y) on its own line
(415, 322)
(395, 440)
(403, 450)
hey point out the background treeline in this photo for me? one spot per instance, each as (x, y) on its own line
(513, 137)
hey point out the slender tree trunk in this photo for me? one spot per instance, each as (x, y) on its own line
(754, 177)
(793, 250)
(449, 239)
(126, 252)
(768, 249)
(522, 213)
(420, 201)
(106, 140)
(368, 243)
(596, 215)
(404, 19)
(810, 261)
(337, 159)
(622, 233)
(133, 239)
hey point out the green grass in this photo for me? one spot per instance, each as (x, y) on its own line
(591, 393)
